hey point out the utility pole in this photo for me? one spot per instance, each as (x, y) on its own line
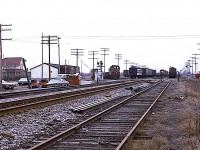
(195, 61)
(93, 53)
(49, 40)
(126, 61)
(77, 52)
(104, 54)
(192, 66)
(1, 39)
(59, 55)
(42, 56)
(188, 66)
(118, 57)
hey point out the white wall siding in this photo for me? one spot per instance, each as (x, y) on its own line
(37, 72)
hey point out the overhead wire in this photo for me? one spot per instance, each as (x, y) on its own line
(84, 63)
(37, 38)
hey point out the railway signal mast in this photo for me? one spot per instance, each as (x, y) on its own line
(1, 39)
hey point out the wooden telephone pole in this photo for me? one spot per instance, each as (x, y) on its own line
(1, 39)
(49, 40)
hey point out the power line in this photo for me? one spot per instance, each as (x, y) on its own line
(84, 63)
(134, 37)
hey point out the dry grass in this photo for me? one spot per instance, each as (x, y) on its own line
(157, 143)
(189, 125)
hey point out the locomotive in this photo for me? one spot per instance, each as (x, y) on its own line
(172, 72)
(113, 72)
(164, 73)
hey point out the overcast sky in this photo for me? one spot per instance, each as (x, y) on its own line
(155, 33)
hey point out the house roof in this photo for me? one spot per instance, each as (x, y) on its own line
(11, 61)
(52, 65)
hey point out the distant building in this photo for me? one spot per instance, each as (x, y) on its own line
(36, 72)
(12, 68)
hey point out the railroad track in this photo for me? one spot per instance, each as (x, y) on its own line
(41, 101)
(13, 93)
(110, 128)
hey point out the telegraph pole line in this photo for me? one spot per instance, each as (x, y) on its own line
(104, 54)
(93, 53)
(126, 61)
(77, 52)
(195, 61)
(118, 57)
(1, 39)
(49, 40)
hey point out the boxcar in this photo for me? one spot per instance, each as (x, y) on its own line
(133, 72)
(126, 73)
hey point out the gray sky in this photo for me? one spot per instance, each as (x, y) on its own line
(155, 33)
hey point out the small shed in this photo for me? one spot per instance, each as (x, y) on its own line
(37, 73)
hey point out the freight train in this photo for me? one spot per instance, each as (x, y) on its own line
(172, 72)
(113, 73)
(137, 72)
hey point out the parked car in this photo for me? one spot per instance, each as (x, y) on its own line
(57, 83)
(8, 85)
(23, 81)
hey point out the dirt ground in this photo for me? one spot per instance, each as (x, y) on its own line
(174, 123)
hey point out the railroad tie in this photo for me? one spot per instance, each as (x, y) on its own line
(7, 135)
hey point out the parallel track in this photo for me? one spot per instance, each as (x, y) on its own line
(19, 93)
(109, 129)
(29, 103)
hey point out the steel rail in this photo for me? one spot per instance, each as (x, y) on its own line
(13, 93)
(64, 134)
(132, 131)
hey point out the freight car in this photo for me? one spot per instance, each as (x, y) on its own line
(172, 72)
(126, 73)
(137, 72)
(113, 72)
